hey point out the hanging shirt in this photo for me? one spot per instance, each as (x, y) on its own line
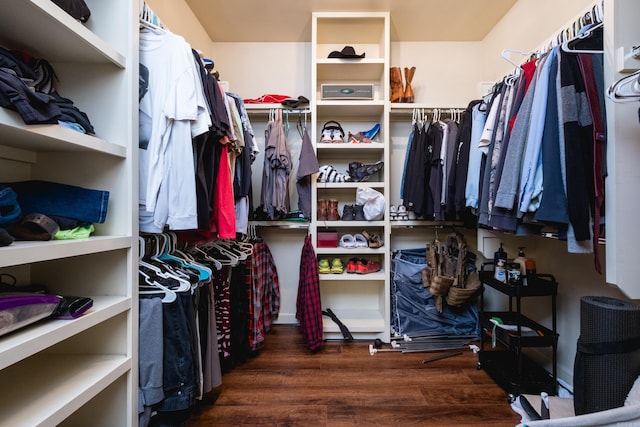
(171, 112)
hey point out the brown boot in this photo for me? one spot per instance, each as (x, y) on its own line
(397, 91)
(322, 210)
(332, 211)
(409, 96)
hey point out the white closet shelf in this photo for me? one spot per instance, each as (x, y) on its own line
(349, 185)
(350, 109)
(343, 70)
(348, 148)
(46, 389)
(350, 224)
(350, 277)
(350, 251)
(50, 137)
(53, 34)
(356, 320)
(425, 224)
(33, 338)
(32, 251)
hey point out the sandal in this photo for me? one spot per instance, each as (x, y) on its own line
(347, 241)
(323, 266)
(336, 266)
(360, 241)
(373, 239)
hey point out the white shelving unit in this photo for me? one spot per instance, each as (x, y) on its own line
(361, 301)
(82, 371)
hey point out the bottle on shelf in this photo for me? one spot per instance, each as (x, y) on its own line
(500, 254)
(521, 259)
(500, 272)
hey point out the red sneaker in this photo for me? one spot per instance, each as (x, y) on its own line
(352, 265)
(367, 266)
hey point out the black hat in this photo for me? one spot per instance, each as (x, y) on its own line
(346, 52)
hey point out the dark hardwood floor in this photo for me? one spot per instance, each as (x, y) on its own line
(343, 385)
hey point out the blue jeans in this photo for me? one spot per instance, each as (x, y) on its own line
(413, 307)
(55, 199)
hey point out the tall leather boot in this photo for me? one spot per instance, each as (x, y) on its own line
(397, 91)
(322, 210)
(409, 96)
(332, 211)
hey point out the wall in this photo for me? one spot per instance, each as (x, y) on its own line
(528, 25)
(179, 19)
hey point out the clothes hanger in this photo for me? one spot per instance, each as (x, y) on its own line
(566, 45)
(625, 89)
(169, 295)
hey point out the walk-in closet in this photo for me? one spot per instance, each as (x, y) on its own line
(302, 187)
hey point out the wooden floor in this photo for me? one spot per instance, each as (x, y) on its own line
(343, 385)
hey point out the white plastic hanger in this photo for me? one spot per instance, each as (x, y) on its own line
(626, 89)
(566, 44)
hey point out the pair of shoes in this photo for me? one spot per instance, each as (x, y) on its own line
(374, 241)
(366, 266)
(336, 266)
(353, 213)
(402, 213)
(332, 132)
(328, 173)
(351, 241)
(398, 213)
(323, 266)
(359, 172)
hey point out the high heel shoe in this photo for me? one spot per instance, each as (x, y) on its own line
(371, 133)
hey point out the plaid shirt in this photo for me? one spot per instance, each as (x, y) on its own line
(265, 293)
(308, 305)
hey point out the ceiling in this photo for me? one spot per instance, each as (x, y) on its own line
(290, 20)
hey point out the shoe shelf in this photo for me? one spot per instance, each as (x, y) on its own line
(350, 184)
(348, 148)
(353, 277)
(400, 224)
(354, 224)
(361, 301)
(351, 251)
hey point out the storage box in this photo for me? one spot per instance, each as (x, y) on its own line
(327, 239)
(346, 91)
